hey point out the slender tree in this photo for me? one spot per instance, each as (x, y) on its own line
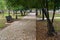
(14, 5)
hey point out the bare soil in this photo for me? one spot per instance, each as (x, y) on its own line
(41, 33)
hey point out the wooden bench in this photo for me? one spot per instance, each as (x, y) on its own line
(9, 19)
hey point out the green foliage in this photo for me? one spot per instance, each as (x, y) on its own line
(2, 5)
(24, 4)
(14, 5)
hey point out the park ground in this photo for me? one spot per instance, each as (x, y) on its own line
(28, 28)
(42, 31)
(24, 29)
(42, 28)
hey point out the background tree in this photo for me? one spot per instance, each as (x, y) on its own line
(14, 5)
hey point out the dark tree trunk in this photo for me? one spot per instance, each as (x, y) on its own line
(40, 11)
(24, 12)
(42, 15)
(47, 8)
(53, 15)
(50, 26)
(30, 10)
(36, 12)
(51, 30)
(21, 13)
(53, 12)
(9, 12)
(16, 15)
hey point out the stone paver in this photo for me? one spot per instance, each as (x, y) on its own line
(24, 29)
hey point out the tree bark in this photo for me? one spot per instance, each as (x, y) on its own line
(9, 12)
(30, 10)
(42, 15)
(36, 12)
(40, 11)
(51, 30)
(21, 13)
(53, 12)
(47, 8)
(53, 15)
(16, 15)
(24, 12)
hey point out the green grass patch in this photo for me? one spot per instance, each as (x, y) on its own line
(2, 23)
(56, 15)
(57, 24)
(3, 19)
(50, 15)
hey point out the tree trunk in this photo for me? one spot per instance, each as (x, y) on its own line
(50, 26)
(53, 12)
(42, 15)
(30, 10)
(9, 12)
(36, 12)
(40, 11)
(21, 13)
(24, 12)
(16, 15)
(53, 15)
(47, 8)
(51, 30)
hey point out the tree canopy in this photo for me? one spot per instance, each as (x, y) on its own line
(2, 5)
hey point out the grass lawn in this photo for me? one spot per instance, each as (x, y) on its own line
(50, 15)
(3, 19)
(57, 24)
(2, 23)
(56, 15)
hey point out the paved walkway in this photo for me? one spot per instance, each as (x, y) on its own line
(24, 29)
(30, 16)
